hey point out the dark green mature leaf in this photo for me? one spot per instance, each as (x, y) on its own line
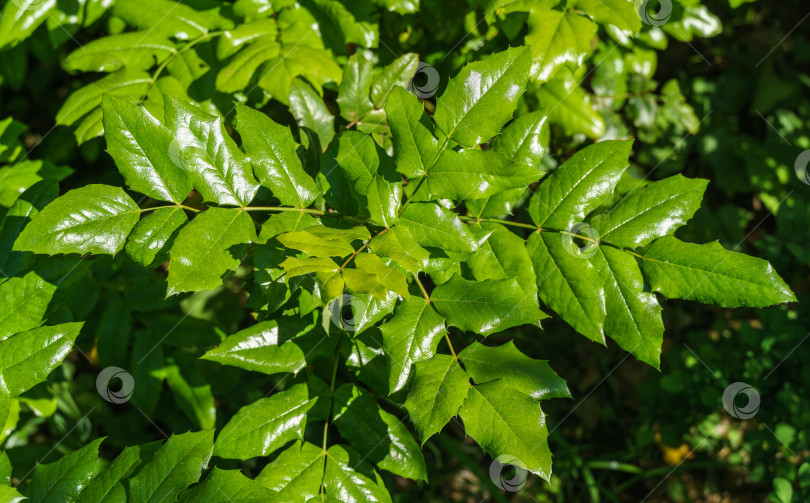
(140, 146)
(151, 238)
(634, 319)
(191, 390)
(227, 486)
(272, 151)
(651, 212)
(26, 207)
(473, 174)
(23, 303)
(27, 358)
(438, 390)
(216, 166)
(260, 348)
(311, 112)
(295, 475)
(503, 256)
(378, 436)
(347, 479)
(568, 283)
(92, 219)
(415, 147)
(578, 186)
(506, 363)
(108, 486)
(570, 107)
(208, 248)
(265, 425)
(486, 307)
(411, 336)
(64, 479)
(353, 93)
(433, 225)
(557, 38)
(481, 98)
(526, 140)
(177, 464)
(713, 275)
(397, 74)
(506, 422)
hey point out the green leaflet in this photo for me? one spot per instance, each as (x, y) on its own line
(526, 139)
(713, 275)
(398, 73)
(432, 225)
(191, 390)
(240, 70)
(353, 93)
(272, 151)
(557, 38)
(411, 336)
(26, 207)
(347, 479)
(415, 147)
(202, 147)
(481, 98)
(578, 186)
(570, 107)
(326, 271)
(92, 219)
(507, 364)
(650, 212)
(225, 486)
(23, 303)
(208, 249)
(380, 437)
(568, 284)
(261, 348)
(438, 390)
(375, 277)
(322, 241)
(311, 112)
(486, 307)
(398, 245)
(19, 19)
(151, 238)
(473, 174)
(506, 422)
(295, 475)
(178, 463)
(64, 479)
(108, 485)
(619, 13)
(634, 316)
(134, 50)
(503, 256)
(265, 425)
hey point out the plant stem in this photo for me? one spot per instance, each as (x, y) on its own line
(422, 287)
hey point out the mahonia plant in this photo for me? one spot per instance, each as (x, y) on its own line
(362, 262)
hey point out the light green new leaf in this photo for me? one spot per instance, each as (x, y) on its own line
(578, 186)
(20, 18)
(506, 422)
(326, 271)
(238, 73)
(436, 226)
(140, 146)
(381, 277)
(398, 245)
(486, 307)
(23, 303)
(481, 98)
(150, 240)
(438, 389)
(233, 40)
(411, 336)
(92, 219)
(568, 283)
(526, 140)
(619, 13)
(169, 18)
(260, 348)
(177, 464)
(311, 112)
(138, 50)
(9, 494)
(415, 147)
(216, 167)
(473, 174)
(502, 256)
(322, 241)
(295, 475)
(713, 275)
(272, 152)
(353, 93)
(651, 212)
(397, 73)
(506, 363)
(634, 316)
(227, 486)
(380, 438)
(265, 425)
(348, 479)
(206, 250)
(570, 107)
(64, 479)
(287, 221)
(557, 38)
